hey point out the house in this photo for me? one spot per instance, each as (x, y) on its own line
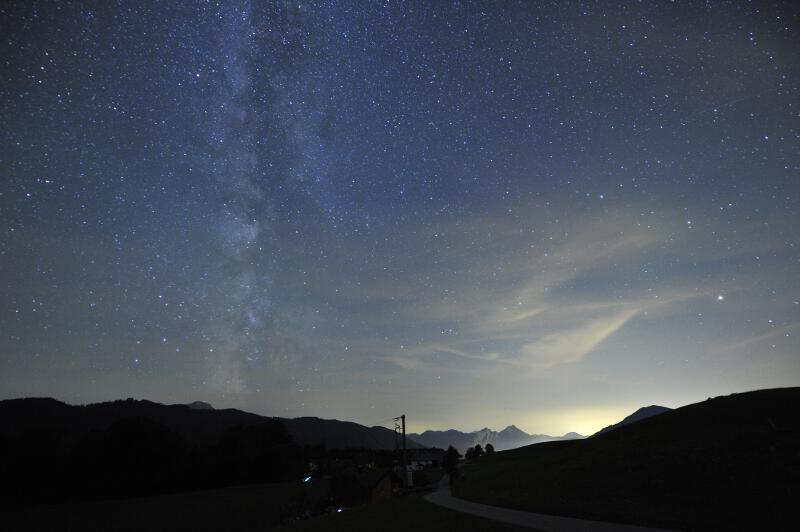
(419, 459)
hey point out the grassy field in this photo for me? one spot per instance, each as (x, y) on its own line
(400, 514)
(731, 463)
(234, 509)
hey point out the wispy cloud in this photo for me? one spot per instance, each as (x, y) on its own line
(505, 297)
(543, 300)
(571, 345)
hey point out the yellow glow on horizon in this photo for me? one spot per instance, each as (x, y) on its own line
(585, 421)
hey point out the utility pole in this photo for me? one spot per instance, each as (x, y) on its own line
(405, 464)
(402, 420)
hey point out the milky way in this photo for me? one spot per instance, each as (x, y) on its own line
(546, 214)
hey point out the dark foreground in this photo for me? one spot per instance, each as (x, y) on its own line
(241, 509)
(401, 514)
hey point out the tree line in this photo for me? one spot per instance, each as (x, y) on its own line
(452, 457)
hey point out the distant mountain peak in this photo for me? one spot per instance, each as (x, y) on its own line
(652, 408)
(645, 412)
(510, 437)
(640, 414)
(200, 405)
(513, 431)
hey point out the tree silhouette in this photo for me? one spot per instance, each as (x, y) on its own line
(489, 448)
(450, 462)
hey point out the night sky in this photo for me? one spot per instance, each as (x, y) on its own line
(547, 214)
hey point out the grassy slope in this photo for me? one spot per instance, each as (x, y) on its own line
(728, 463)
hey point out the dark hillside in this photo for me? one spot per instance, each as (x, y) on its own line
(54, 452)
(729, 463)
(197, 426)
(336, 434)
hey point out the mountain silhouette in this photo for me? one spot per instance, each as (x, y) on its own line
(510, 437)
(198, 423)
(337, 434)
(643, 413)
(200, 405)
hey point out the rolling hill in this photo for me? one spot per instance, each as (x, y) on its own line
(337, 434)
(197, 422)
